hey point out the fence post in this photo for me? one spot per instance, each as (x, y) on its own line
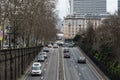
(22, 70)
(11, 70)
(0, 69)
(5, 66)
(19, 63)
(15, 65)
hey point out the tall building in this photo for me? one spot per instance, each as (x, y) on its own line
(119, 4)
(87, 6)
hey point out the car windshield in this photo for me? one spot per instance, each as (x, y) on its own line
(36, 68)
(55, 44)
(41, 56)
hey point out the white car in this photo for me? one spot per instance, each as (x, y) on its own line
(41, 58)
(36, 69)
(49, 45)
(44, 54)
(55, 46)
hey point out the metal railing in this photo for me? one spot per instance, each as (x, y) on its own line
(14, 62)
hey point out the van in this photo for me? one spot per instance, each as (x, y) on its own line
(36, 69)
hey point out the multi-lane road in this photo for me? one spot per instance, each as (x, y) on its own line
(75, 71)
(71, 69)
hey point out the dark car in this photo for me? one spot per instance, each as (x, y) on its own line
(81, 60)
(66, 55)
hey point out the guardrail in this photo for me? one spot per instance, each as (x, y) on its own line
(14, 62)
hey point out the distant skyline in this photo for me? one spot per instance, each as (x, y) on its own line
(62, 7)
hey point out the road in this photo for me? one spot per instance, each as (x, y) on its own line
(49, 67)
(72, 70)
(75, 71)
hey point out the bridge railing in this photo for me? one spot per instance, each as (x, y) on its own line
(14, 62)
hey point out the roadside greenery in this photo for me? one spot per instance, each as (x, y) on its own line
(30, 21)
(103, 43)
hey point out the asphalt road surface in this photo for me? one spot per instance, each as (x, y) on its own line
(49, 67)
(76, 71)
(72, 69)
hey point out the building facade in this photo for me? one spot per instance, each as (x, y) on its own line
(118, 4)
(87, 6)
(74, 24)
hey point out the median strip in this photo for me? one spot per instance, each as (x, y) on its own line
(61, 76)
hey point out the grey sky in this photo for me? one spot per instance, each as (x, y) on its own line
(63, 4)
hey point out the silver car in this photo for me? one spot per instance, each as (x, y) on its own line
(44, 54)
(41, 58)
(81, 60)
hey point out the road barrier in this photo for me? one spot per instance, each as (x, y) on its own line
(14, 62)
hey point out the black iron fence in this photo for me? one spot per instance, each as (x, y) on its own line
(14, 62)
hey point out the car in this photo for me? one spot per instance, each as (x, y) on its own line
(66, 50)
(71, 45)
(55, 46)
(41, 58)
(45, 49)
(49, 45)
(81, 60)
(66, 55)
(36, 69)
(44, 54)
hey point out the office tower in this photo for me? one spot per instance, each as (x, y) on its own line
(87, 6)
(119, 4)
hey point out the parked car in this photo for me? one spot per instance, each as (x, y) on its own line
(45, 49)
(36, 69)
(81, 60)
(67, 55)
(41, 58)
(44, 54)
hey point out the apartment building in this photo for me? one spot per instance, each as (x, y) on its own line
(74, 24)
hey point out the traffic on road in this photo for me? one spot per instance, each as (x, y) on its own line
(75, 65)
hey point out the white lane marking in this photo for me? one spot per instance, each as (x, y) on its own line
(63, 66)
(79, 74)
(42, 77)
(58, 66)
(82, 68)
(44, 69)
(72, 57)
(76, 66)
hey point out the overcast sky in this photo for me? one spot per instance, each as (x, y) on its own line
(63, 4)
